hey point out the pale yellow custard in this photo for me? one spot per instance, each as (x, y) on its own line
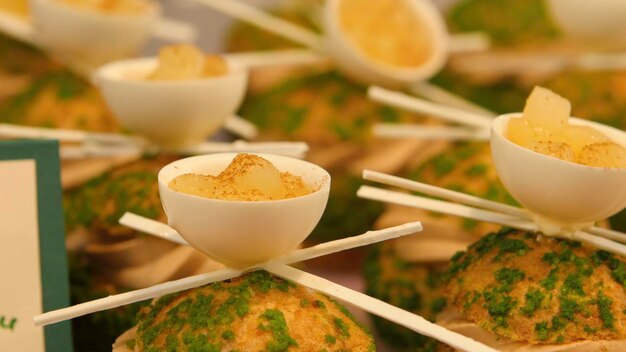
(248, 178)
(131, 7)
(545, 128)
(387, 31)
(180, 62)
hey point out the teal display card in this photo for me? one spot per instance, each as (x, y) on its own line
(33, 260)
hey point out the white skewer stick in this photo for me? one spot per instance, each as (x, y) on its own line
(161, 230)
(293, 149)
(395, 130)
(413, 104)
(444, 193)
(601, 62)
(18, 28)
(266, 21)
(599, 242)
(89, 150)
(443, 207)
(203, 279)
(242, 128)
(76, 136)
(481, 215)
(447, 98)
(467, 199)
(288, 57)
(175, 31)
(121, 299)
(151, 227)
(468, 42)
(608, 233)
(365, 239)
(380, 308)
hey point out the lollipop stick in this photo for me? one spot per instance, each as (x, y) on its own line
(18, 28)
(469, 42)
(152, 227)
(481, 215)
(607, 233)
(97, 151)
(242, 128)
(447, 98)
(463, 198)
(599, 242)
(175, 31)
(224, 274)
(134, 296)
(77, 136)
(288, 57)
(444, 193)
(365, 239)
(413, 104)
(379, 308)
(449, 208)
(266, 21)
(401, 130)
(293, 149)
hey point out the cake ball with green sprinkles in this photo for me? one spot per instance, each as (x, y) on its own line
(255, 312)
(521, 291)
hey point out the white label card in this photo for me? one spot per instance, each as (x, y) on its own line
(33, 260)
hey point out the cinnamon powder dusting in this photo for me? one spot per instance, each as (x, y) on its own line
(247, 178)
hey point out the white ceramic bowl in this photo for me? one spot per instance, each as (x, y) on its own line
(242, 233)
(354, 63)
(88, 39)
(559, 191)
(170, 113)
(603, 20)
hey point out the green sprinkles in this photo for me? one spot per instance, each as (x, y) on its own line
(534, 298)
(344, 330)
(604, 306)
(276, 324)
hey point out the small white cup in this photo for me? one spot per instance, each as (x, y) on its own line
(361, 67)
(87, 39)
(242, 233)
(170, 113)
(598, 20)
(560, 192)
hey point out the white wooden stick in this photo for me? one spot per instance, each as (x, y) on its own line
(405, 130)
(444, 193)
(600, 243)
(203, 279)
(447, 98)
(469, 42)
(444, 207)
(608, 233)
(18, 28)
(88, 150)
(417, 105)
(241, 127)
(467, 199)
(76, 136)
(175, 31)
(287, 57)
(380, 308)
(152, 227)
(601, 62)
(481, 215)
(365, 239)
(293, 149)
(262, 19)
(134, 296)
